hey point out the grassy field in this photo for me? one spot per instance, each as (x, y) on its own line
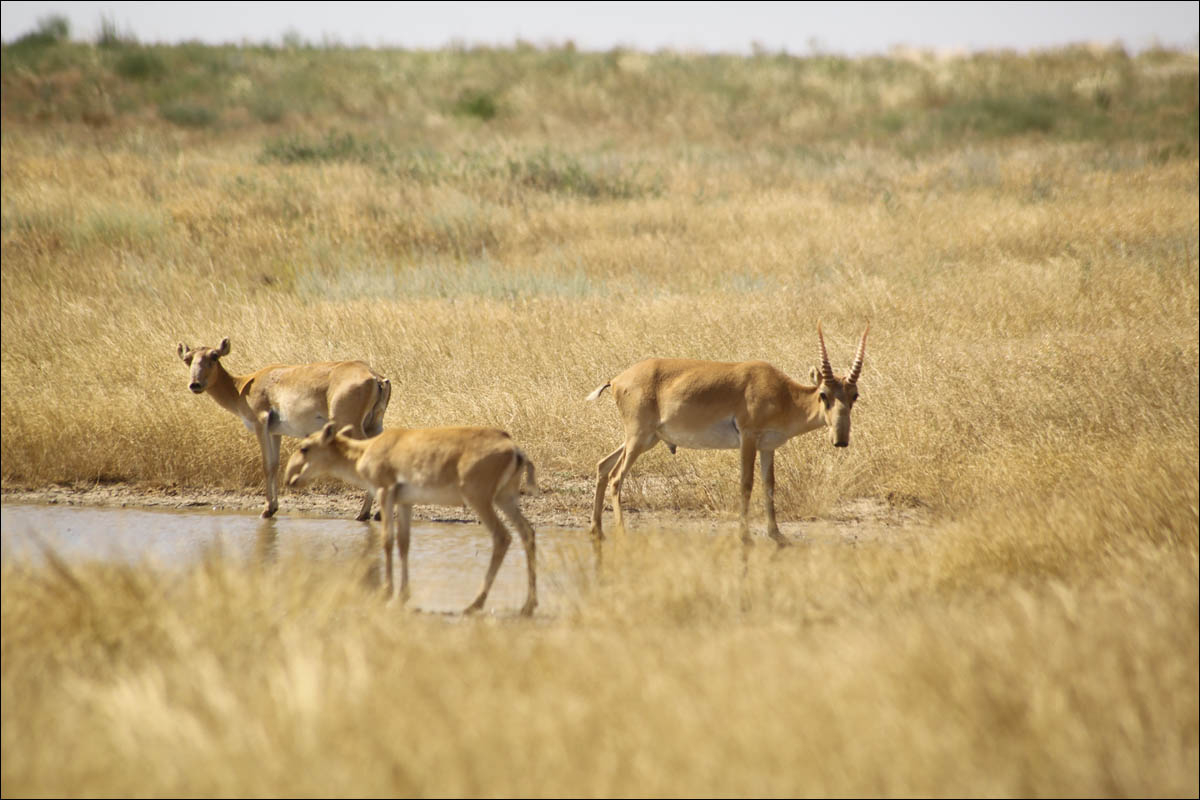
(500, 231)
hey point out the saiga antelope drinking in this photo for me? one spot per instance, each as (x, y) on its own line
(749, 406)
(285, 400)
(481, 467)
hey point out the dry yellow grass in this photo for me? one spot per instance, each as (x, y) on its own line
(1031, 381)
(1005, 333)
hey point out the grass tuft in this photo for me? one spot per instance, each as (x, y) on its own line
(140, 65)
(188, 115)
(476, 103)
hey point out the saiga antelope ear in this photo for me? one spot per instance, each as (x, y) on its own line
(327, 433)
(814, 375)
(223, 350)
(346, 432)
(183, 351)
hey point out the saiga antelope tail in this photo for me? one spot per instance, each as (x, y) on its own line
(530, 472)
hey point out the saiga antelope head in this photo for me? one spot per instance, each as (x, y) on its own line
(202, 361)
(315, 456)
(837, 395)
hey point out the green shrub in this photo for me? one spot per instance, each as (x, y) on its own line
(475, 103)
(111, 37)
(188, 115)
(268, 109)
(140, 65)
(50, 30)
(1004, 115)
(563, 174)
(55, 26)
(334, 147)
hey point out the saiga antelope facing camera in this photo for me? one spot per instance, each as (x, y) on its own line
(749, 406)
(291, 400)
(481, 467)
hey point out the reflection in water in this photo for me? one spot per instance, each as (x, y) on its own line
(445, 562)
(266, 544)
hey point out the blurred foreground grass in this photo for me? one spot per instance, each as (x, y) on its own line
(973, 659)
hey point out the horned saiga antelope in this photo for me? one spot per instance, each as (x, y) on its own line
(291, 400)
(749, 406)
(481, 467)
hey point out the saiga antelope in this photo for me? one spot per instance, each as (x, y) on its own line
(481, 467)
(285, 400)
(749, 406)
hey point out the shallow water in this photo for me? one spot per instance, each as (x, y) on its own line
(447, 561)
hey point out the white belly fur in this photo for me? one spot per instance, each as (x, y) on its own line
(770, 440)
(296, 412)
(722, 435)
(290, 426)
(439, 496)
(297, 427)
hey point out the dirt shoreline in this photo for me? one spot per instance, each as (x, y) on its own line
(565, 506)
(330, 503)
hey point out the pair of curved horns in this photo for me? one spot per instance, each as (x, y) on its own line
(856, 370)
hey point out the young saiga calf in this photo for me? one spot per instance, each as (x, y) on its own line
(749, 406)
(481, 467)
(284, 400)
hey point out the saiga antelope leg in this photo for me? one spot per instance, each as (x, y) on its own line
(364, 513)
(403, 536)
(633, 448)
(603, 469)
(387, 499)
(501, 538)
(749, 448)
(269, 444)
(766, 460)
(528, 538)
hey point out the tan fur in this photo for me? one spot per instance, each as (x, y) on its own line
(481, 467)
(749, 406)
(292, 400)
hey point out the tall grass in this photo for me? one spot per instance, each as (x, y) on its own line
(1012, 337)
(1021, 233)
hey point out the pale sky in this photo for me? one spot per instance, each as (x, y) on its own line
(850, 28)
